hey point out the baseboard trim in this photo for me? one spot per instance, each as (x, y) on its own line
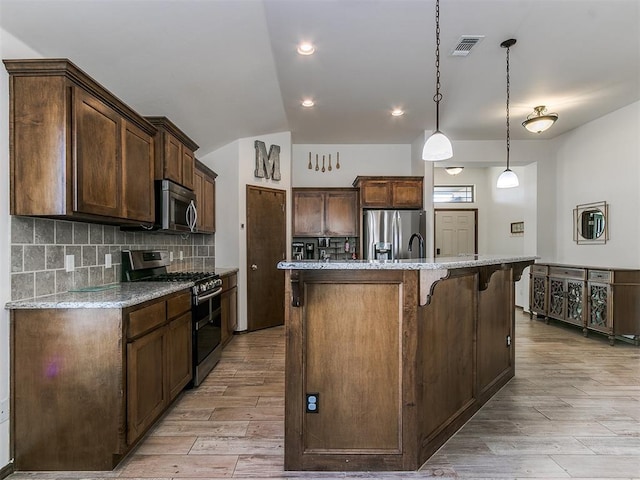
(6, 470)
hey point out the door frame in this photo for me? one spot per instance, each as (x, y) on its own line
(475, 229)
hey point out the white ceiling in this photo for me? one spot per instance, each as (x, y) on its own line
(226, 69)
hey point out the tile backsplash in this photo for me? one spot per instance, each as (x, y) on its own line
(39, 247)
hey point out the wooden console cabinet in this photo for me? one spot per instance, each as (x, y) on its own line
(390, 192)
(88, 383)
(603, 300)
(326, 212)
(76, 151)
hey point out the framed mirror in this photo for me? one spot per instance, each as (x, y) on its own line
(591, 223)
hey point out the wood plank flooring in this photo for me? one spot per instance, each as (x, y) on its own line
(572, 411)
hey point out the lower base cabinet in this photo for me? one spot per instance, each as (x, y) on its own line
(229, 306)
(88, 383)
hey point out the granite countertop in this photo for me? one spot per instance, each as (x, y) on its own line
(442, 263)
(115, 295)
(224, 271)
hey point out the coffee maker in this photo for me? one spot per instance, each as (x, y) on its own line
(297, 250)
(309, 251)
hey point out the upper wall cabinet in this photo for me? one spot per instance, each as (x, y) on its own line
(76, 151)
(205, 188)
(390, 192)
(325, 212)
(174, 153)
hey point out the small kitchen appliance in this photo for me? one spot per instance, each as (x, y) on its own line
(151, 266)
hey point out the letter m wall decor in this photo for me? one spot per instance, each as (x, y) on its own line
(267, 166)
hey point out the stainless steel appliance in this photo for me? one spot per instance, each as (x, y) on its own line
(151, 266)
(387, 234)
(175, 207)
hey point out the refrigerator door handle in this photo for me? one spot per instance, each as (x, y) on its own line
(396, 229)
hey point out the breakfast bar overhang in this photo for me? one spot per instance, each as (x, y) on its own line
(386, 360)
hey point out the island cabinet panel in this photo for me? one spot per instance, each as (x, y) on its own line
(359, 406)
(72, 152)
(446, 374)
(399, 360)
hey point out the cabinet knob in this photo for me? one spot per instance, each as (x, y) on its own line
(254, 267)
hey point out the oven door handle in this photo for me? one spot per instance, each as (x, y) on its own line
(203, 298)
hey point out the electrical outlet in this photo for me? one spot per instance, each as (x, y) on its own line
(171, 256)
(107, 260)
(69, 263)
(4, 410)
(313, 402)
(181, 255)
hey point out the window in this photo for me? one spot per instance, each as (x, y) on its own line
(453, 194)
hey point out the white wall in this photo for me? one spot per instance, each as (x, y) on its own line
(354, 160)
(235, 165)
(10, 47)
(600, 162)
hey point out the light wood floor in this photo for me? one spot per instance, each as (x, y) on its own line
(572, 411)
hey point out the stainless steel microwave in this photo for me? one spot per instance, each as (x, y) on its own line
(175, 207)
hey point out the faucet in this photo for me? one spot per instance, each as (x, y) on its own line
(420, 244)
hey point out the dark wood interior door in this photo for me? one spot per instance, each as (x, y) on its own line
(266, 246)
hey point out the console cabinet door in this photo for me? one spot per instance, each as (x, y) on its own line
(146, 386)
(97, 156)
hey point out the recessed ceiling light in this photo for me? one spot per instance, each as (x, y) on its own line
(397, 112)
(306, 48)
(308, 103)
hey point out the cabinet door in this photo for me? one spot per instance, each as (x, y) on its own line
(146, 386)
(179, 348)
(187, 166)
(598, 316)
(210, 200)
(172, 158)
(575, 302)
(341, 214)
(538, 294)
(376, 193)
(198, 188)
(137, 175)
(229, 313)
(407, 193)
(204, 188)
(308, 214)
(96, 156)
(556, 298)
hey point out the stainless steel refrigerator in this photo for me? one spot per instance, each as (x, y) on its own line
(386, 234)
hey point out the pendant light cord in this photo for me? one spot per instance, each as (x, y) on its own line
(508, 85)
(438, 96)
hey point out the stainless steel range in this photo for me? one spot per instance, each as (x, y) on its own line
(151, 266)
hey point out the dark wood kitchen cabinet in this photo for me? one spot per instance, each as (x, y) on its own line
(229, 306)
(205, 189)
(174, 153)
(327, 212)
(76, 151)
(390, 192)
(87, 383)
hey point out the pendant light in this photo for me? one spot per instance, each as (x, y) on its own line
(453, 170)
(539, 120)
(508, 178)
(437, 147)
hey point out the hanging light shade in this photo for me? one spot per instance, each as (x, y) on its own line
(508, 178)
(437, 147)
(539, 120)
(454, 170)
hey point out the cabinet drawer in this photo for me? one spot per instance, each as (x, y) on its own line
(539, 269)
(568, 272)
(147, 318)
(178, 304)
(229, 281)
(600, 275)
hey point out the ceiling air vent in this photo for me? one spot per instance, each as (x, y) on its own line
(465, 44)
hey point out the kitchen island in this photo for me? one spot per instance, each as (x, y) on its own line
(386, 360)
